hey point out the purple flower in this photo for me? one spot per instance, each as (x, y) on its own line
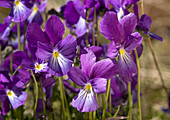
(23, 59)
(10, 93)
(120, 6)
(19, 11)
(92, 78)
(36, 13)
(89, 3)
(59, 52)
(123, 40)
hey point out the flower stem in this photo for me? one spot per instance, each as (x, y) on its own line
(43, 101)
(110, 101)
(18, 32)
(87, 16)
(138, 87)
(67, 107)
(116, 111)
(106, 100)
(130, 102)
(94, 113)
(157, 66)
(62, 98)
(94, 20)
(90, 115)
(24, 36)
(36, 89)
(97, 32)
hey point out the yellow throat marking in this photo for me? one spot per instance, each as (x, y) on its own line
(17, 2)
(122, 51)
(9, 93)
(88, 87)
(55, 54)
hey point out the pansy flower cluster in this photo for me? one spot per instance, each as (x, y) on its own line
(81, 72)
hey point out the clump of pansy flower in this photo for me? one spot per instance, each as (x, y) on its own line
(60, 75)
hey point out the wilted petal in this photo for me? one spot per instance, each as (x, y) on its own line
(78, 76)
(55, 29)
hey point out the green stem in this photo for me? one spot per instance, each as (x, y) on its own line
(36, 89)
(17, 70)
(117, 111)
(24, 36)
(90, 115)
(62, 98)
(130, 101)
(110, 102)
(97, 32)
(94, 19)
(67, 107)
(18, 32)
(87, 16)
(138, 87)
(94, 113)
(11, 62)
(42, 94)
(157, 66)
(106, 100)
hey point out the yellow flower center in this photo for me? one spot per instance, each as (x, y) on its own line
(88, 87)
(17, 2)
(38, 67)
(122, 51)
(9, 93)
(35, 9)
(55, 54)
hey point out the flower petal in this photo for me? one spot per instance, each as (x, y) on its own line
(81, 27)
(78, 76)
(99, 85)
(17, 101)
(85, 101)
(129, 23)
(132, 41)
(55, 29)
(110, 27)
(60, 65)
(69, 12)
(126, 65)
(35, 34)
(112, 50)
(87, 61)
(103, 69)
(44, 51)
(67, 47)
